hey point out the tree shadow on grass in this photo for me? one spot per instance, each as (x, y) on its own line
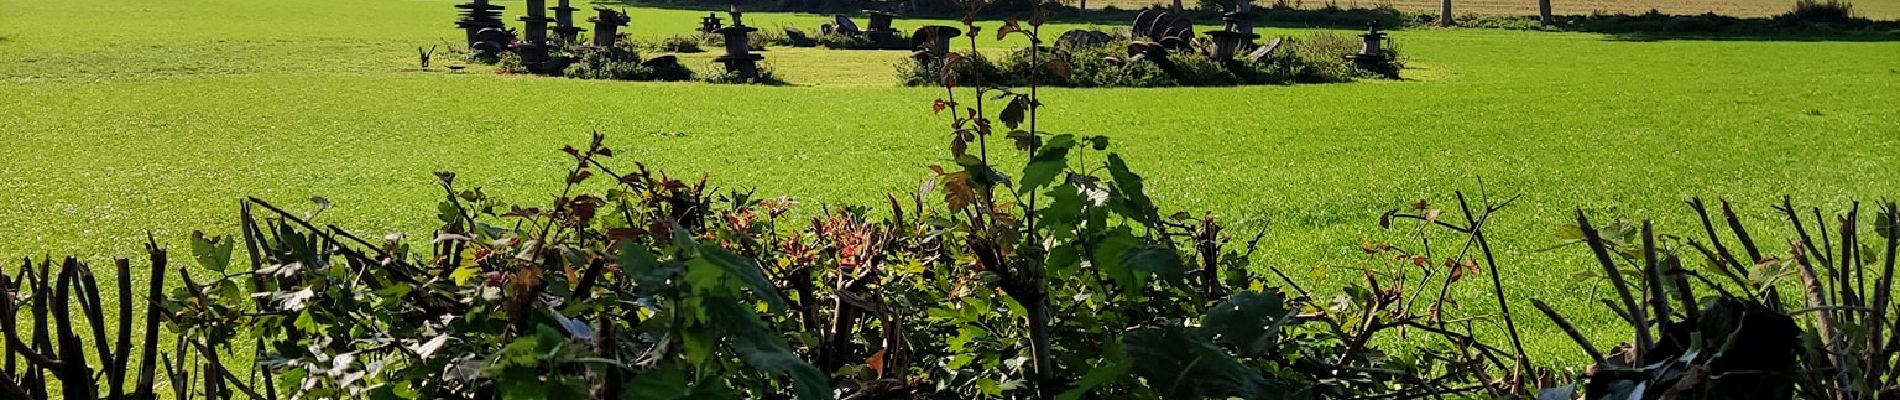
(1792, 27)
(1756, 37)
(1280, 17)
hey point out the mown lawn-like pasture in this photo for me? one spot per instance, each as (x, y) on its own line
(1876, 9)
(120, 118)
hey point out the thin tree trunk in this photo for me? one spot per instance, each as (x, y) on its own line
(1543, 13)
(1444, 13)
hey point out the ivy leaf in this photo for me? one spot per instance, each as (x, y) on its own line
(1247, 320)
(1048, 162)
(213, 253)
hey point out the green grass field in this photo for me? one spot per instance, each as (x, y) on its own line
(1875, 9)
(122, 117)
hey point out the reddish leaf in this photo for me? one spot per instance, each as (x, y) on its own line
(938, 108)
(958, 146)
(1009, 26)
(876, 363)
(1012, 114)
(957, 192)
(1060, 67)
(523, 212)
(619, 234)
(1024, 140)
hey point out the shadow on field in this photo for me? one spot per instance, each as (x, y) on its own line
(1796, 26)
(1801, 25)
(1759, 37)
(1279, 17)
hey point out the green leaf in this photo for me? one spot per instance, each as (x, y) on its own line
(699, 348)
(666, 382)
(1108, 259)
(1884, 224)
(648, 273)
(1113, 367)
(1155, 260)
(748, 271)
(1247, 320)
(465, 273)
(213, 253)
(1184, 366)
(1048, 163)
(703, 276)
(447, 212)
(761, 349)
(1063, 261)
(1129, 199)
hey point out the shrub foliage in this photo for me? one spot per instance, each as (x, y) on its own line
(1316, 58)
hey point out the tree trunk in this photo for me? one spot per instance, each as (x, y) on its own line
(1543, 13)
(1444, 13)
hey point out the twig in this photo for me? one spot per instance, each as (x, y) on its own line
(1575, 335)
(1636, 316)
(1497, 283)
